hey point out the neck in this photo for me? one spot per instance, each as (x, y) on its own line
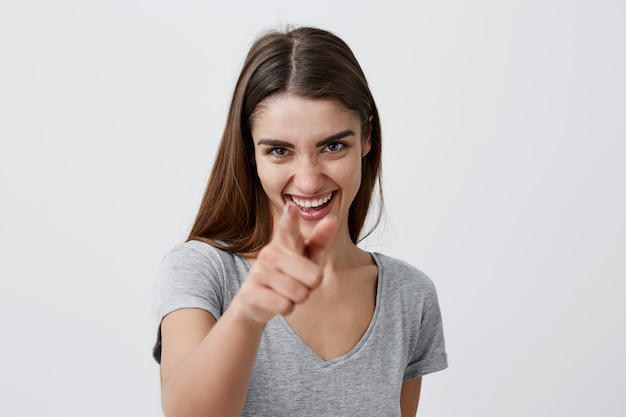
(343, 253)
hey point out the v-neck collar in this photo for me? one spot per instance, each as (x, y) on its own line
(355, 349)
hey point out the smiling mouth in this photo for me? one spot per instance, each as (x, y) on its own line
(312, 204)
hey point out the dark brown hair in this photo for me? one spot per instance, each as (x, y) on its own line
(308, 62)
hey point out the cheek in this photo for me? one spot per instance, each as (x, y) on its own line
(348, 174)
(271, 179)
(356, 183)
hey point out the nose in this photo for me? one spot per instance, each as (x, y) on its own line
(309, 177)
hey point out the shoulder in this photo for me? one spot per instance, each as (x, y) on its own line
(404, 278)
(197, 264)
(197, 254)
(401, 271)
(195, 274)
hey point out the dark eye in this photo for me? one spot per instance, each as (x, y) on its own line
(334, 147)
(277, 152)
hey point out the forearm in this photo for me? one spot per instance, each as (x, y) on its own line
(213, 379)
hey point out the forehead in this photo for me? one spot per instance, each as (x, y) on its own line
(289, 117)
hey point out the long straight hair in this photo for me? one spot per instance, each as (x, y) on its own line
(234, 214)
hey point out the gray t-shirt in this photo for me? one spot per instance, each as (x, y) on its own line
(403, 341)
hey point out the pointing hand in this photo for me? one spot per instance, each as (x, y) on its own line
(287, 269)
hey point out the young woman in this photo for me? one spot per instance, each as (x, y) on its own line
(270, 308)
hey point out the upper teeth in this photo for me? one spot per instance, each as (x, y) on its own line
(312, 203)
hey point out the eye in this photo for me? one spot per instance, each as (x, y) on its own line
(278, 152)
(334, 147)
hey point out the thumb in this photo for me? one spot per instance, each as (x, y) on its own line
(323, 234)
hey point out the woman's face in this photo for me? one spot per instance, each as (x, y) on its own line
(308, 152)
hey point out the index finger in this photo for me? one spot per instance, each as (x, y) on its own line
(288, 231)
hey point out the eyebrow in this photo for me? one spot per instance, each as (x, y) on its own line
(283, 144)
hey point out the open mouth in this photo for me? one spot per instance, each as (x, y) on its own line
(312, 204)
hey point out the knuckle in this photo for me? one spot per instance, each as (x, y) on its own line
(302, 294)
(284, 307)
(316, 279)
(271, 254)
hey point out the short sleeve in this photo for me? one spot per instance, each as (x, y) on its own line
(186, 278)
(430, 353)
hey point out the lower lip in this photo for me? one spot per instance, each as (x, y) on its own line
(314, 214)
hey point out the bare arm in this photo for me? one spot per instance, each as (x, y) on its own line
(206, 365)
(410, 396)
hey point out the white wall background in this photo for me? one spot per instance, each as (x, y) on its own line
(504, 139)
